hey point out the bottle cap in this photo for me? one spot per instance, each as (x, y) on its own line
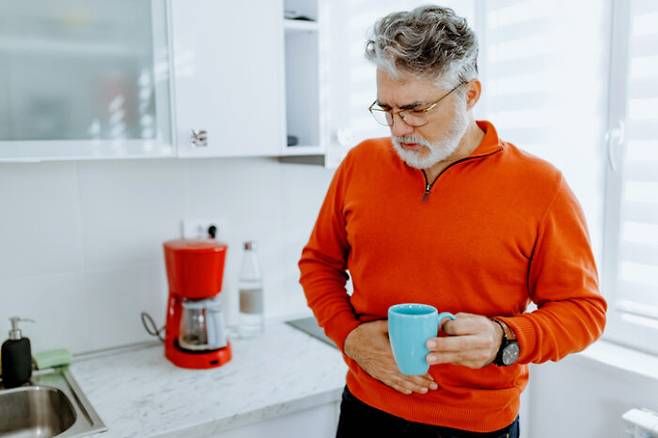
(249, 245)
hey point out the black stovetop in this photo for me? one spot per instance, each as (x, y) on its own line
(311, 327)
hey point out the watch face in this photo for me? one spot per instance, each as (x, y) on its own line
(511, 353)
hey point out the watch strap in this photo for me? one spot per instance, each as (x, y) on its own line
(508, 333)
(508, 338)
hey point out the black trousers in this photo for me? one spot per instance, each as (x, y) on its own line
(358, 420)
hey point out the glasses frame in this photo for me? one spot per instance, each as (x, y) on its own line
(401, 113)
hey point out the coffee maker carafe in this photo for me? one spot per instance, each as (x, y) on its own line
(202, 325)
(195, 335)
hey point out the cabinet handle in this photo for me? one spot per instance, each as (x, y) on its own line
(199, 138)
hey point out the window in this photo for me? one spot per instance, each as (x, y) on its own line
(544, 69)
(631, 228)
(575, 83)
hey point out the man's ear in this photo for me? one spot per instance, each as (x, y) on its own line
(473, 92)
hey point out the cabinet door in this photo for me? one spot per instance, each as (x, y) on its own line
(228, 64)
(316, 422)
(84, 79)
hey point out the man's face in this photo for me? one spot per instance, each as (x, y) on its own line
(422, 147)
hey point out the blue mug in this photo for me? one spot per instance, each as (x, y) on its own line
(410, 325)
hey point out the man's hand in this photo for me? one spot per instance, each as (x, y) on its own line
(473, 342)
(369, 346)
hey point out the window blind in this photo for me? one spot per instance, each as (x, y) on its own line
(636, 297)
(545, 75)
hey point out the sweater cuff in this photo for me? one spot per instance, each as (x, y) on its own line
(338, 327)
(525, 336)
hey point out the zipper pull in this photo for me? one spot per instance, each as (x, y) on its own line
(426, 195)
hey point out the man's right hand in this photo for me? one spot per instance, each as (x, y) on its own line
(369, 346)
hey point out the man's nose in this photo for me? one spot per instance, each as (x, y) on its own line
(400, 128)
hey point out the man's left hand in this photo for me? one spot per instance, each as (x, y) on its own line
(473, 342)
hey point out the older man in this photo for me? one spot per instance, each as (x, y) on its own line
(445, 213)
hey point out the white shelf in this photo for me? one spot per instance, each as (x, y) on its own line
(300, 26)
(302, 150)
(302, 80)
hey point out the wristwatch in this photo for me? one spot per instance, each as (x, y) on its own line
(508, 353)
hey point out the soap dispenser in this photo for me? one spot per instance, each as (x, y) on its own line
(16, 356)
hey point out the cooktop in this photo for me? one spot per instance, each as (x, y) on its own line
(311, 327)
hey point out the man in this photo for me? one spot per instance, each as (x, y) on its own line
(445, 213)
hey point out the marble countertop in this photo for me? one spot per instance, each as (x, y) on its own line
(139, 393)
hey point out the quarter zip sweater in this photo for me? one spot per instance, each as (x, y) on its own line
(495, 231)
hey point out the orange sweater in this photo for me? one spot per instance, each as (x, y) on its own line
(497, 230)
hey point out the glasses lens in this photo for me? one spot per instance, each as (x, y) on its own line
(382, 117)
(414, 118)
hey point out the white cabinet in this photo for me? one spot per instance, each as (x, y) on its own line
(304, 85)
(334, 109)
(83, 79)
(318, 422)
(165, 78)
(228, 70)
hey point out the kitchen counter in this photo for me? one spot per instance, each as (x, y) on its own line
(139, 393)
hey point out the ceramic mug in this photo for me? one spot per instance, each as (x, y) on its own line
(410, 326)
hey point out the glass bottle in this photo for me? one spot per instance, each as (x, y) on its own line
(250, 287)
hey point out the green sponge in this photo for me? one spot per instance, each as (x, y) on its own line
(52, 358)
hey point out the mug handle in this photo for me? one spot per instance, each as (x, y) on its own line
(444, 315)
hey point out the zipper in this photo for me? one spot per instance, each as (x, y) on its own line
(429, 185)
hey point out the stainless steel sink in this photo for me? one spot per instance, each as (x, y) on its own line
(52, 406)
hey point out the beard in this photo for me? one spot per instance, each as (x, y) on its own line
(437, 151)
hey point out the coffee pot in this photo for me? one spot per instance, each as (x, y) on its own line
(195, 335)
(202, 325)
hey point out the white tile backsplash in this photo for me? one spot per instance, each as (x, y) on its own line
(126, 206)
(39, 219)
(53, 301)
(113, 300)
(81, 242)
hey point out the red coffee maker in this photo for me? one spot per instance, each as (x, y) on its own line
(195, 334)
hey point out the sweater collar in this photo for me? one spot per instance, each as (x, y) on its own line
(490, 143)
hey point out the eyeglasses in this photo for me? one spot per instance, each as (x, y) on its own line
(412, 116)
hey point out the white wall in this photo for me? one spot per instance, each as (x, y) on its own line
(581, 397)
(80, 242)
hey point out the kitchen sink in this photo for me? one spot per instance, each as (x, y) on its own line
(53, 405)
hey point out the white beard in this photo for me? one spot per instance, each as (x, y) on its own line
(437, 151)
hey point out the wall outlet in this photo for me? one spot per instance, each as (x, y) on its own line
(198, 228)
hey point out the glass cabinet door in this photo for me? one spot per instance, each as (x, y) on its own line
(84, 79)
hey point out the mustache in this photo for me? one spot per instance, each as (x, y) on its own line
(418, 140)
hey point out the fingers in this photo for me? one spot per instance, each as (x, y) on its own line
(411, 384)
(472, 342)
(425, 380)
(465, 324)
(457, 343)
(392, 377)
(474, 359)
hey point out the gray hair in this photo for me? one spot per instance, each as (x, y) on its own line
(430, 42)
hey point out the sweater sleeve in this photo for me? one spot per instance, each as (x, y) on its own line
(563, 283)
(323, 264)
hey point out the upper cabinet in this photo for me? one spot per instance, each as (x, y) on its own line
(229, 75)
(303, 81)
(100, 79)
(84, 79)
